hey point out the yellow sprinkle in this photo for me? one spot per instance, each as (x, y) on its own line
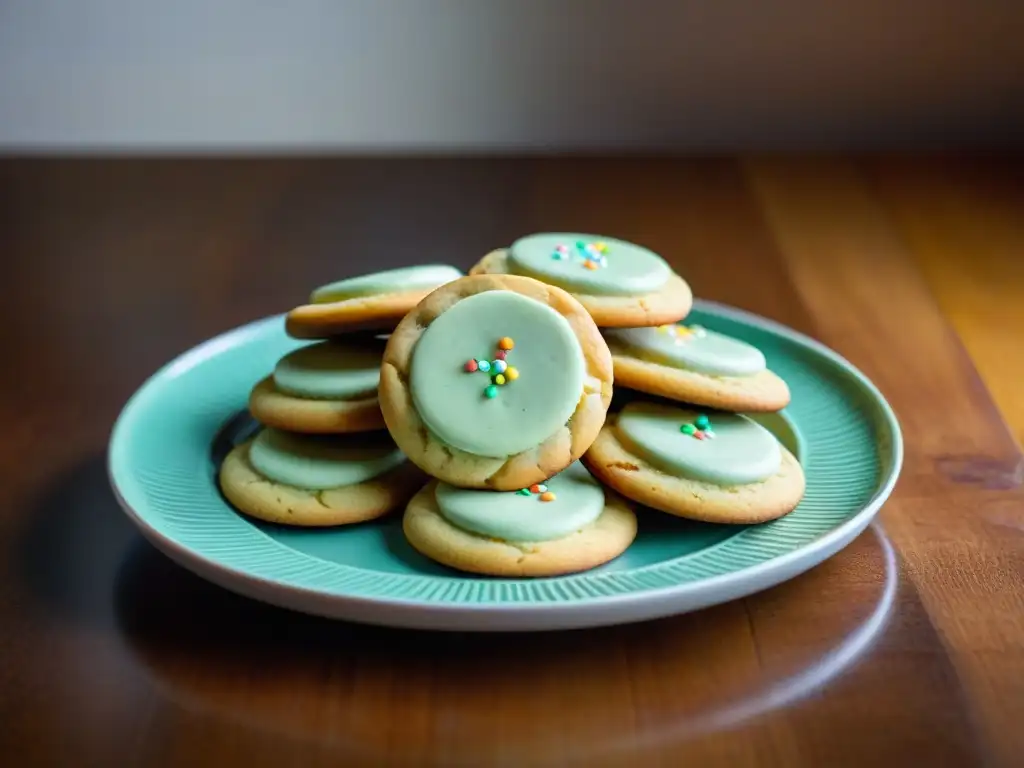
(663, 328)
(511, 373)
(602, 247)
(499, 379)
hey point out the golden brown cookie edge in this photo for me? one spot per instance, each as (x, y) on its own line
(257, 497)
(764, 392)
(636, 479)
(431, 535)
(466, 470)
(669, 305)
(274, 408)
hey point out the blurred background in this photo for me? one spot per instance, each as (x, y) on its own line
(472, 75)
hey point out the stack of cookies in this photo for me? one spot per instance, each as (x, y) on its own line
(324, 457)
(495, 392)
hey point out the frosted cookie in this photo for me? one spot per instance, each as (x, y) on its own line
(309, 480)
(721, 467)
(696, 366)
(368, 302)
(565, 525)
(619, 283)
(495, 382)
(326, 387)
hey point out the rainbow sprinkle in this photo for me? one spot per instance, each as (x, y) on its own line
(700, 429)
(682, 333)
(589, 255)
(498, 369)
(538, 489)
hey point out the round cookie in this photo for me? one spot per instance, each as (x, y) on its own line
(619, 283)
(695, 365)
(328, 387)
(720, 468)
(368, 302)
(495, 381)
(317, 481)
(568, 524)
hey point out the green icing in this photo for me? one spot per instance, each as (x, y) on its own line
(628, 269)
(319, 462)
(389, 281)
(741, 452)
(514, 516)
(331, 370)
(697, 350)
(460, 409)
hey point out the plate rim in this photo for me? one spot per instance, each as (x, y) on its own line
(575, 613)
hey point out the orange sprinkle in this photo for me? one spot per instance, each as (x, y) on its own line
(590, 264)
(506, 343)
(547, 496)
(535, 488)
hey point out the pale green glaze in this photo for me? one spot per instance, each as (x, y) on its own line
(332, 370)
(509, 516)
(389, 281)
(168, 441)
(320, 462)
(630, 270)
(526, 411)
(742, 451)
(711, 353)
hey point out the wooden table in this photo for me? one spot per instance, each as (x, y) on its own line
(905, 649)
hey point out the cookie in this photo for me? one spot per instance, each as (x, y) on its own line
(495, 381)
(620, 284)
(316, 481)
(368, 302)
(720, 468)
(568, 524)
(695, 365)
(328, 387)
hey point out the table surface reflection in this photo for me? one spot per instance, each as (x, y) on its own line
(906, 648)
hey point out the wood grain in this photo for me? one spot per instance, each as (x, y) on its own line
(904, 649)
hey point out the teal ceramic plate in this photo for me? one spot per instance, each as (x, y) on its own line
(168, 440)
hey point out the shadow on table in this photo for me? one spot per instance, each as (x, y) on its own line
(69, 553)
(356, 688)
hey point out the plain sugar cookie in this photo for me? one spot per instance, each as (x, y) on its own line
(495, 381)
(618, 282)
(719, 467)
(694, 365)
(318, 481)
(327, 387)
(368, 302)
(565, 525)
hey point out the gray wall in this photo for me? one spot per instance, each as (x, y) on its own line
(457, 74)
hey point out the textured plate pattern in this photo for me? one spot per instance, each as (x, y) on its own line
(160, 463)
